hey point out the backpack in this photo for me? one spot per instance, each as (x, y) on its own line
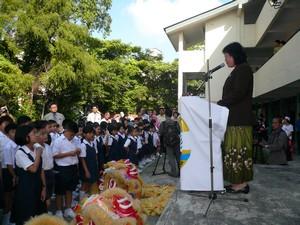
(170, 136)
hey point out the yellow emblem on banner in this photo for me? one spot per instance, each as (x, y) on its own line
(185, 155)
(183, 126)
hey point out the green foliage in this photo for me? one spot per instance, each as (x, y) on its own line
(49, 47)
(15, 88)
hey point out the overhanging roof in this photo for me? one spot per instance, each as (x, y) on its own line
(193, 27)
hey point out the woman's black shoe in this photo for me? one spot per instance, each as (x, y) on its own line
(227, 186)
(244, 190)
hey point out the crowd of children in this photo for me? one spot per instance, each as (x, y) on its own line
(41, 160)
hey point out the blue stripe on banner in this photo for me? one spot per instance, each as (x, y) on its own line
(184, 157)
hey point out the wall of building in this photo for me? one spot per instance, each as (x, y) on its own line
(283, 68)
(219, 32)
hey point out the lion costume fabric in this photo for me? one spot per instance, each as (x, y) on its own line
(123, 174)
(46, 219)
(112, 207)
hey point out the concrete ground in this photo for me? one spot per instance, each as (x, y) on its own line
(274, 198)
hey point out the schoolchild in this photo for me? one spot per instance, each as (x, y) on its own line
(99, 142)
(131, 145)
(88, 161)
(53, 130)
(114, 153)
(30, 191)
(122, 137)
(65, 152)
(8, 170)
(47, 157)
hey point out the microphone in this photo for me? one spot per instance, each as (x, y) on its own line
(217, 68)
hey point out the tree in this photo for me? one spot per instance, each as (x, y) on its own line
(15, 88)
(52, 41)
(47, 39)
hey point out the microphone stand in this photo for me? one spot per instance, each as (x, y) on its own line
(212, 194)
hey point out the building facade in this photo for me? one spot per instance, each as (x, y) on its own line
(256, 24)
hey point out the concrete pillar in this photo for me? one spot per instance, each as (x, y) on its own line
(180, 72)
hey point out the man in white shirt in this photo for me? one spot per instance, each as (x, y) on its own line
(161, 117)
(95, 115)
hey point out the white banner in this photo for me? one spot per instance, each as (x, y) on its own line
(195, 149)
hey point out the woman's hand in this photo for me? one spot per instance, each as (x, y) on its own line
(87, 175)
(14, 181)
(43, 194)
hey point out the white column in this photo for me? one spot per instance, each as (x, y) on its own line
(180, 72)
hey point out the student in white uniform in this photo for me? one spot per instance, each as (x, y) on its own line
(8, 170)
(4, 121)
(65, 153)
(30, 192)
(53, 127)
(47, 157)
(88, 161)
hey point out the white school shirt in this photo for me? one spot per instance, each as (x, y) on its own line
(83, 147)
(288, 129)
(122, 135)
(94, 117)
(110, 139)
(146, 117)
(139, 142)
(22, 160)
(3, 140)
(129, 140)
(77, 141)
(53, 136)
(63, 145)
(104, 139)
(9, 152)
(146, 135)
(47, 156)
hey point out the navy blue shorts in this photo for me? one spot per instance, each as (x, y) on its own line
(66, 179)
(50, 180)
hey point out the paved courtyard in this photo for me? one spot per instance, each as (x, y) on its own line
(274, 198)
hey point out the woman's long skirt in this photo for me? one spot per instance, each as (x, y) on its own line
(237, 154)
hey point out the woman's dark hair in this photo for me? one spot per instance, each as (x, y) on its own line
(88, 129)
(237, 51)
(89, 123)
(71, 126)
(130, 129)
(22, 133)
(103, 125)
(23, 119)
(9, 127)
(49, 140)
(112, 127)
(95, 125)
(40, 124)
(50, 122)
(120, 125)
(6, 119)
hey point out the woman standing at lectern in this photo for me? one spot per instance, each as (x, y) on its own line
(237, 97)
